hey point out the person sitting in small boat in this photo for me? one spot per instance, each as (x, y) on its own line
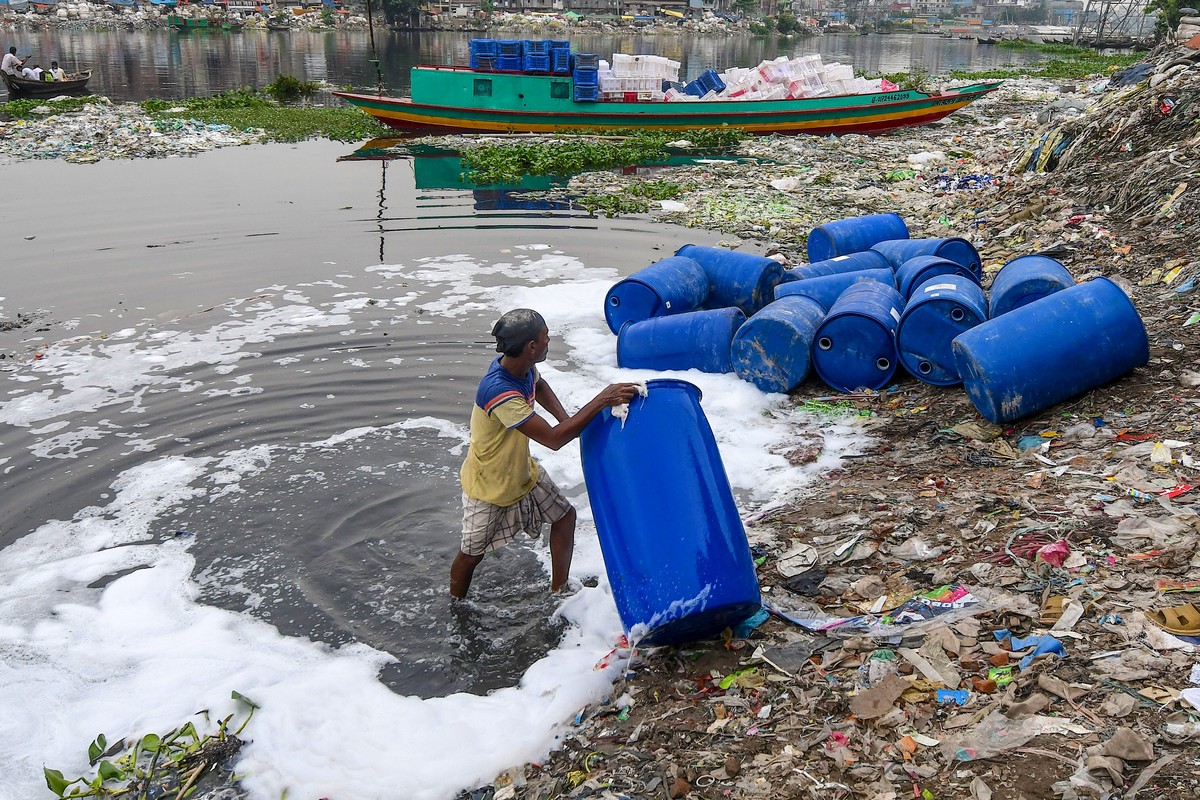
(55, 73)
(33, 73)
(11, 64)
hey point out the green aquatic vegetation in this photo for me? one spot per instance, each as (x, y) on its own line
(167, 766)
(571, 154)
(38, 107)
(288, 89)
(636, 198)
(246, 109)
(1070, 62)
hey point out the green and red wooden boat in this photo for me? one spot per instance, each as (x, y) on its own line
(458, 99)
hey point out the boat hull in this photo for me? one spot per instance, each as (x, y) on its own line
(869, 113)
(21, 87)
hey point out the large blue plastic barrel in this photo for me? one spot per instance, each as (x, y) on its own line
(670, 286)
(695, 340)
(915, 271)
(855, 346)
(673, 542)
(773, 350)
(735, 279)
(939, 309)
(853, 235)
(1035, 356)
(838, 265)
(960, 251)
(828, 288)
(1025, 279)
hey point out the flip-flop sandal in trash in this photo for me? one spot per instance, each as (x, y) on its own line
(1052, 609)
(1181, 620)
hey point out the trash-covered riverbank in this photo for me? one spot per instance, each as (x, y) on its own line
(1052, 560)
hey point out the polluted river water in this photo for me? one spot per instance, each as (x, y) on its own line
(235, 403)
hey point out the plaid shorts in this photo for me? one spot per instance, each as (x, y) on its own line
(487, 526)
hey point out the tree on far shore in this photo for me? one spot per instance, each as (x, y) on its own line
(401, 13)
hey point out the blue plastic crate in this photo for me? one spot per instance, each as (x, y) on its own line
(586, 94)
(710, 81)
(585, 61)
(537, 63)
(559, 44)
(535, 47)
(509, 47)
(695, 89)
(560, 60)
(585, 77)
(483, 62)
(509, 63)
(483, 47)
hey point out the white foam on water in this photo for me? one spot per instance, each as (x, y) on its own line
(141, 655)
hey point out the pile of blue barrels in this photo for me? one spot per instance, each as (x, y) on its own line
(871, 301)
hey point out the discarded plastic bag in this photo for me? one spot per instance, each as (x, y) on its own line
(997, 733)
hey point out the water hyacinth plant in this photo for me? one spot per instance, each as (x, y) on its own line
(163, 766)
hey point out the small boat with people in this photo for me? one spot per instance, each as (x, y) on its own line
(76, 83)
(582, 92)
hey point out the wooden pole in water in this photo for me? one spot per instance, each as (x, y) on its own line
(374, 55)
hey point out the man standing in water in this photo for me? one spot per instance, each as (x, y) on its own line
(504, 490)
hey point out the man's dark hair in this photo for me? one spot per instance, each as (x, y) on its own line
(12, 50)
(516, 329)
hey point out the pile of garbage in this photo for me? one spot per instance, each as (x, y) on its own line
(103, 130)
(1138, 141)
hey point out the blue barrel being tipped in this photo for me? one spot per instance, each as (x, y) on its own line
(828, 288)
(853, 235)
(915, 271)
(735, 279)
(855, 346)
(694, 340)
(1025, 279)
(672, 538)
(670, 286)
(1046, 352)
(939, 310)
(773, 350)
(838, 265)
(960, 251)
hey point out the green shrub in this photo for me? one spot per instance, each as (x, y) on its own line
(287, 89)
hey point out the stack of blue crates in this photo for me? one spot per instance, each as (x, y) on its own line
(537, 55)
(510, 55)
(483, 53)
(585, 77)
(708, 81)
(560, 56)
(585, 61)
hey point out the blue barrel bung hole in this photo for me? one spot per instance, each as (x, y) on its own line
(883, 364)
(925, 367)
(825, 343)
(957, 314)
(614, 301)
